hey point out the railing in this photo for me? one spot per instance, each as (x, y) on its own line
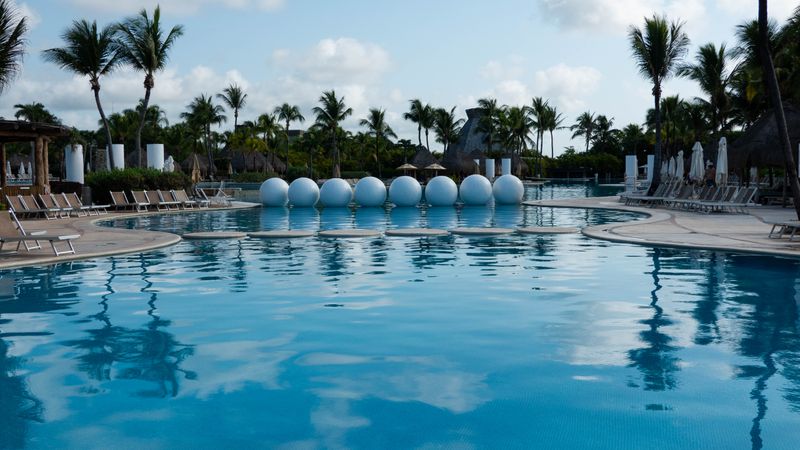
(21, 190)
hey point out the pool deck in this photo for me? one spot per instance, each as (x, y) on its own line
(96, 240)
(747, 233)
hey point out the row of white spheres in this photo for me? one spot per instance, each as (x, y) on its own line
(404, 191)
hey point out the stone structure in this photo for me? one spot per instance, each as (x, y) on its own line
(472, 144)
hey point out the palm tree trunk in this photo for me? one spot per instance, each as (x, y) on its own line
(142, 113)
(378, 157)
(235, 120)
(287, 145)
(211, 170)
(777, 104)
(105, 125)
(427, 142)
(419, 134)
(336, 170)
(552, 151)
(656, 179)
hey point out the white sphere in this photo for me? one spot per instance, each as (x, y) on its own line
(335, 193)
(441, 191)
(508, 190)
(370, 191)
(405, 191)
(476, 190)
(274, 192)
(303, 192)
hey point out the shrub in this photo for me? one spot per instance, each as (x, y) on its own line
(102, 183)
(354, 174)
(253, 177)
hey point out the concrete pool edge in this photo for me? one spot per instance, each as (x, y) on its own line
(739, 233)
(95, 239)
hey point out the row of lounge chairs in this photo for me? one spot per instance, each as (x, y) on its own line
(709, 199)
(52, 206)
(159, 200)
(11, 231)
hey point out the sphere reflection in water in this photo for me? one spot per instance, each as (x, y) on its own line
(476, 190)
(304, 219)
(335, 193)
(405, 217)
(336, 218)
(274, 192)
(303, 192)
(371, 218)
(370, 192)
(508, 216)
(476, 217)
(274, 218)
(441, 191)
(405, 191)
(442, 218)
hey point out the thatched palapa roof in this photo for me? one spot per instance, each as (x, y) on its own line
(202, 161)
(760, 145)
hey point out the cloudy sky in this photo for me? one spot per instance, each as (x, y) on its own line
(381, 54)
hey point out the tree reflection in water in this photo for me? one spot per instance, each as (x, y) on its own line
(149, 354)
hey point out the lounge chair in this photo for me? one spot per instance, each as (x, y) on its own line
(163, 202)
(142, 200)
(736, 204)
(19, 207)
(781, 229)
(183, 199)
(685, 193)
(73, 200)
(32, 207)
(64, 204)
(48, 201)
(725, 195)
(633, 199)
(11, 230)
(202, 198)
(120, 201)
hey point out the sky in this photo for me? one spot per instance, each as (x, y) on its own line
(380, 55)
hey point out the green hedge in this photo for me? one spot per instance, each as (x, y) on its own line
(253, 177)
(102, 183)
(354, 174)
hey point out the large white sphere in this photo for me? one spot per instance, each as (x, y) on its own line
(274, 192)
(441, 191)
(335, 193)
(476, 190)
(405, 191)
(370, 191)
(508, 190)
(303, 192)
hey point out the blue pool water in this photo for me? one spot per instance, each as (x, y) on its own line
(554, 341)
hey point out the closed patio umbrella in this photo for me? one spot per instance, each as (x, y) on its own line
(679, 169)
(21, 170)
(722, 162)
(30, 169)
(697, 170)
(671, 167)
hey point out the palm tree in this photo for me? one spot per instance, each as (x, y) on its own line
(446, 127)
(289, 113)
(427, 119)
(539, 110)
(516, 126)
(712, 73)
(203, 113)
(414, 114)
(657, 50)
(331, 111)
(488, 121)
(12, 42)
(235, 97)
(584, 126)
(144, 47)
(89, 53)
(774, 92)
(552, 120)
(35, 112)
(376, 123)
(267, 124)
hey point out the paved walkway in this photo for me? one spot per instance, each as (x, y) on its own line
(96, 241)
(676, 228)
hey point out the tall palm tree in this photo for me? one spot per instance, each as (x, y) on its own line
(551, 121)
(268, 125)
(446, 126)
(516, 126)
(488, 121)
(90, 53)
(584, 126)
(289, 113)
(376, 123)
(203, 113)
(12, 42)
(539, 110)
(330, 113)
(774, 92)
(658, 49)
(35, 112)
(236, 99)
(712, 74)
(427, 120)
(414, 114)
(145, 48)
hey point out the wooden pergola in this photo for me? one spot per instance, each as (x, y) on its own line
(40, 134)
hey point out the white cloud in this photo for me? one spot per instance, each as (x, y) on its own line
(568, 86)
(342, 60)
(179, 7)
(497, 70)
(30, 14)
(615, 16)
(779, 9)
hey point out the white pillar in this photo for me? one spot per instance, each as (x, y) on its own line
(505, 166)
(155, 156)
(651, 162)
(489, 168)
(631, 171)
(73, 158)
(118, 150)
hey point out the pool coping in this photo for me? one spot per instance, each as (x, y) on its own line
(748, 233)
(95, 238)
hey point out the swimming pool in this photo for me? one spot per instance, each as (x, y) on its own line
(553, 341)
